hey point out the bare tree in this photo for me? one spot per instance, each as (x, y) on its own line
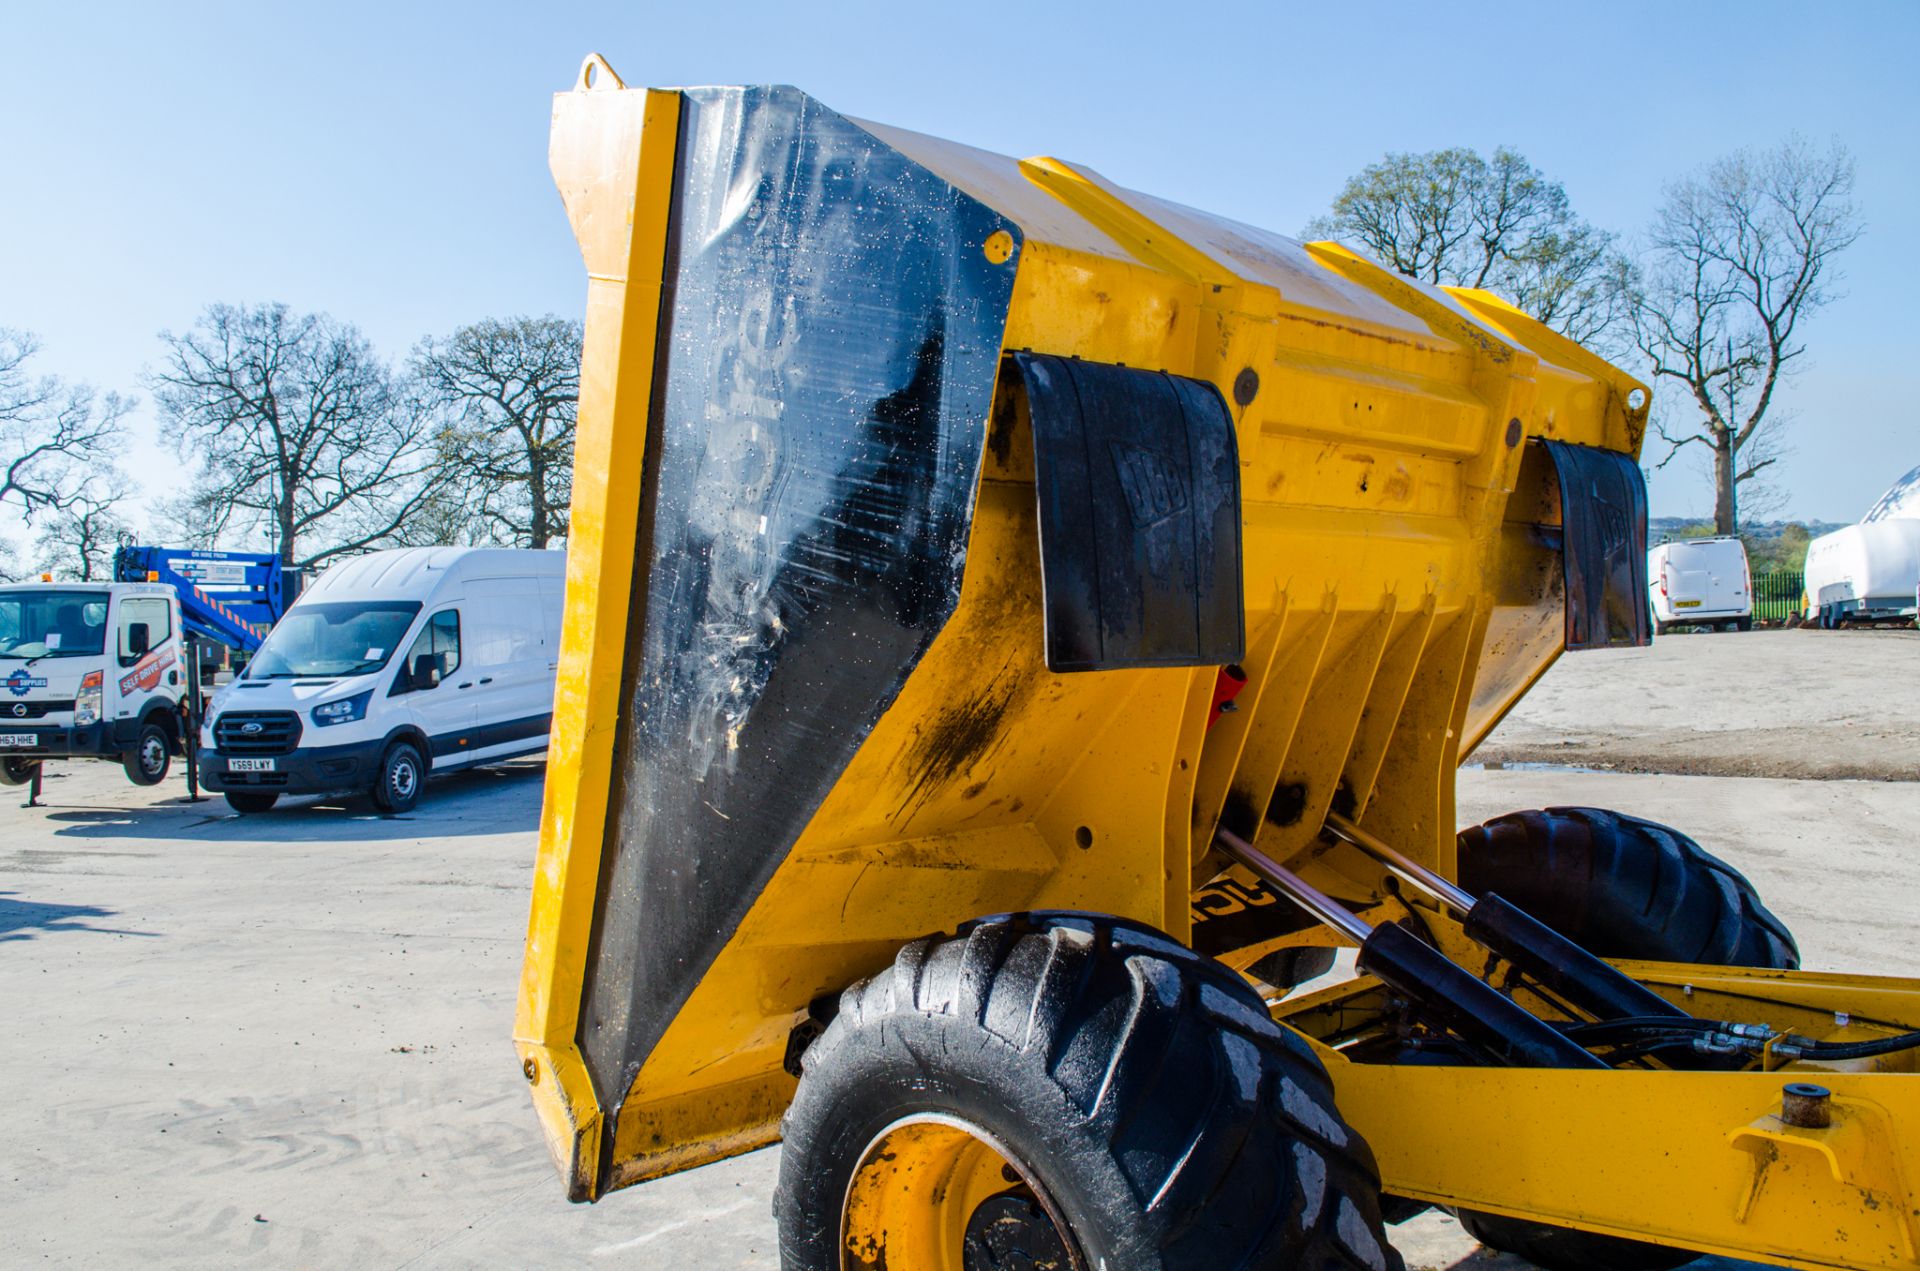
(53, 436)
(508, 391)
(1455, 218)
(1740, 254)
(79, 538)
(299, 429)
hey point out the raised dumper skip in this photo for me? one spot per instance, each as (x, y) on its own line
(923, 499)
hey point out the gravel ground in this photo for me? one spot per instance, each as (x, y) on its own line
(1799, 704)
(283, 1041)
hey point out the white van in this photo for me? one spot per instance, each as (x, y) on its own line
(1700, 582)
(391, 666)
(90, 670)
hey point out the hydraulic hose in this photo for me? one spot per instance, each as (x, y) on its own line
(1860, 1050)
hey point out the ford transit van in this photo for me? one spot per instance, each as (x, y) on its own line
(391, 667)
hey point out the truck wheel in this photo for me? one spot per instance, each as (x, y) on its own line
(15, 771)
(151, 756)
(1620, 887)
(251, 801)
(1068, 1090)
(402, 773)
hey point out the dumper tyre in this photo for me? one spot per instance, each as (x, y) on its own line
(15, 771)
(152, 754)
(403, 773)
(1621, 887)
(1071, 1090)
(1624, 887)
(250, 802)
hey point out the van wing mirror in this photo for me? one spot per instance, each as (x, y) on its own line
(425, 671)
(139, 639)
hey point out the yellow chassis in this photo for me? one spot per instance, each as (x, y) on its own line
(1701, 1160)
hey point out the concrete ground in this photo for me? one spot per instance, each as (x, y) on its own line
(1801, 703)
(283, 1041)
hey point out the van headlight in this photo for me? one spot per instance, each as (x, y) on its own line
(344, 711)
(86, 703)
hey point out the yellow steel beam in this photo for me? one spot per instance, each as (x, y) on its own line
(612, 156)
(1694, 1159)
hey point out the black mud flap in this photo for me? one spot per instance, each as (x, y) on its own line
(829, 336)
(1603, 510)
(1138, 478)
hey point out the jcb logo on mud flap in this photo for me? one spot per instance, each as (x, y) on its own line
(1228, 897)
(1154, 489)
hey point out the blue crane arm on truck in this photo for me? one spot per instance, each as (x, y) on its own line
(228, 597)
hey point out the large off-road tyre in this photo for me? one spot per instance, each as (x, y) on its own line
(152, 754)
(1620, 887)
(15, 771)
(1056, 1090)
(402, 776)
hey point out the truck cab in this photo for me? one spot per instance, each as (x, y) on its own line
(90, 670)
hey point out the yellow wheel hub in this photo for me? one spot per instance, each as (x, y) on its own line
(933, 1193)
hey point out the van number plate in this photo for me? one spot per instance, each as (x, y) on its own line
(21, 741)
(249, 765)
(1686, 604)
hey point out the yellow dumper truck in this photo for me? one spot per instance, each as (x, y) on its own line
(1017, 630)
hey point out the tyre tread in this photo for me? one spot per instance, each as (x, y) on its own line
(1629, 887)
(1152, 1043)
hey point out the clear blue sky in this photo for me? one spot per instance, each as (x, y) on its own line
(387, 163)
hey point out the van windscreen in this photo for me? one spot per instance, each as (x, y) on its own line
(333, 640)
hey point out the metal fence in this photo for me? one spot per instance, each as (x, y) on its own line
(1776, 594)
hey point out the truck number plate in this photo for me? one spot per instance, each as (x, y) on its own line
(20, 741)
(1686, 604)
(249, 765)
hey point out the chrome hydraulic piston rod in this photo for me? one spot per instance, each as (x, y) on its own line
(1558, 964)
(1450, 994)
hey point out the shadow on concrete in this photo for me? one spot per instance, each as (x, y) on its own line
(30, 919)
(503, 799)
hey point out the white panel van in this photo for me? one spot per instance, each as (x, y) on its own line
(390, 667)
(1700, 581)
